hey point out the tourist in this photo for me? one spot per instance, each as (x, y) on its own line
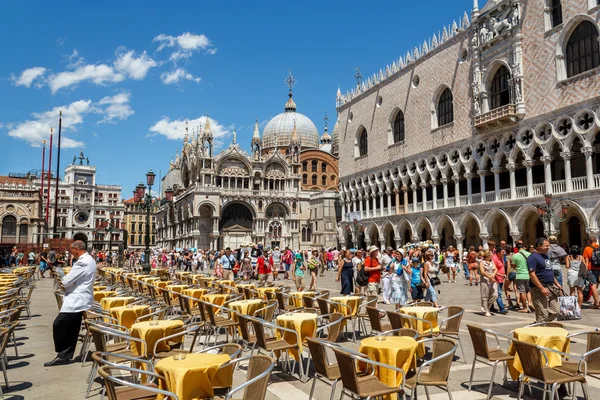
(261, 268)
(44, 262)
(298, 270)
(522, 277)
(576, 273)
(593, 267)
(401, 274)
(358, 264)
(465, 264)
(473, 266)
(276, 262)
(31, 257)
(386, 275)
(335, 256)
(557, 255)
(314, 264)
(429, 278)
(324, 264)
(489, 287)
(498, 260)
(544, 287)
(346, 273)
(510, 284)
(287, 262)
(78, 298)
(373, 268)
(226, 262)
(416, 281)
(450, 264)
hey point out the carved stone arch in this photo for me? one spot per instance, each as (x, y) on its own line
(465, 217)
(357, 135)
(207, 203)
(492, 68)
(372, 231)
(572, 205)
(514, 154)
(388, 224)
(403, 226)
(439, 224)
(435, 102)
(235, 157)
(392, 121)
(489, 218)
(563, 38)
(521, 215)
(423, 223)
(595, 217)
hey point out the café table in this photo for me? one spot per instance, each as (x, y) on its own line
(427, 313)
(196, 375)
(296, 297)
(100, 294)
(126, 315)
(109, 302)
(546, 336)
(397, 351)
(151, 332)
(352, 301)
(305, 324)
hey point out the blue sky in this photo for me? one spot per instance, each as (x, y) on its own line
(127, 74)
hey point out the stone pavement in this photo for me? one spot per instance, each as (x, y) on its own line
(30, 380)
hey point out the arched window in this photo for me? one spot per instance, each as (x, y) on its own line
(308, 234)
(314, 166)
(499, 89)
(304, 234)
(556, 13)
(9, 226)
(324, 180)
(399, 127)
(332, 178)
(323, 167)
(314, 179)
(445, 111)
(363, 143)
(582, 49)
(305, 166)
(305, 179)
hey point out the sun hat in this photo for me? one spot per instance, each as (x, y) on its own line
(415, 259)
(372, 249)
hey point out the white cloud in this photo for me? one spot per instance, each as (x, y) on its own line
(134, 67)
(28, 76)
(60, 41)
(175, 76)
(115, 107)
(184, 45)
(38, 128)
(100, 74)
(175, 129)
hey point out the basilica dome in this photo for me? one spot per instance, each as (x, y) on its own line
(281, 126)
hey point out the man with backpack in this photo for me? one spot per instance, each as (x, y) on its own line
(592, 254)
(373, 268)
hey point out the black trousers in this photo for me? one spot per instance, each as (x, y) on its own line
(65, 331)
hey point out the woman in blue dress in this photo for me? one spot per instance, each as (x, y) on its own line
(401, 274)
(346, 273)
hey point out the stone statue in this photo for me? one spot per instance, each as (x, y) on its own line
(483, 32)
(74, 159)
(518, 94)
(515, 15)
(475, 40)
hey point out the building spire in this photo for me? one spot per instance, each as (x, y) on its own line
(207, 130)
(290, 81)
(234, 136)
(294, 138)
(256, 135)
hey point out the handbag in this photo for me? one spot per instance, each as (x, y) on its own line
(568, 308)
(434, 281)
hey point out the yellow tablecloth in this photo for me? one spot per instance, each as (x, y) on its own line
(352, 301)
(427, 313)
(263, 290)
(158, 271)
(553, 338)
(398, 351)
(161, 285)
(246, 307)
(176, 289)
(127, 315)
(99, 288)
(100, 294)
(216, 299)
(182, 273)
(151, 333)
(150, 279)
(296, 297)
(109, 302)
(195, 293)
(303, 323)
(246, 286)
(195, 377)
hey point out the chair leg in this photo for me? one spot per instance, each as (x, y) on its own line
(489, 394)
(449, 392)
(586, 390)
(91, 382)
(426, 392)
(333, 389)
(462, 351)
(312, 388)
(472, 372)
(4, 368)
(553, 392)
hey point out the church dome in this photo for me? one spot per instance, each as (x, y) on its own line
(281, 126)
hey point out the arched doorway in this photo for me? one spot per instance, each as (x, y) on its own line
(236, 225)
(533, 228)
(81, 236)
(498, 229)
(374, 235)
(388, 234)
(9, 229)
(407, 236)
(574, 229)
(205, 226)
(471, 233)
(446, 232)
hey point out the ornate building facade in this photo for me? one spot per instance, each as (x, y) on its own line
(135, 224)
(21, 220)
(235, 198)
(473, 127)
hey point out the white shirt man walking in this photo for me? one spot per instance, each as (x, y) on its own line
(79, 296)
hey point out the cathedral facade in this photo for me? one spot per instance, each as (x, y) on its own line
(282, 193)
(459, 140)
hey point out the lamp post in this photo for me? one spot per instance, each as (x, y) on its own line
(145, 201)
(546, 212)
(109, 228)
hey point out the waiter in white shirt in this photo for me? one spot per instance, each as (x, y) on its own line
(79, 296)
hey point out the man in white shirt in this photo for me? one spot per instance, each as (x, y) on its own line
(227, 262)
(79, 296)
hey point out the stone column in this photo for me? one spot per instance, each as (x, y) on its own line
(435, 240)
(484, 238)
(528, 164)
(18, 238)
(398, 241)
(547, 174)
(445, 191)
(343, 210)
(434, 193)
(405, 190)
(389, 202)
(482, 185)
(456, 179)
(469, 176)
(459, 243)
(567, 159)
(515, 236)
(373, 211)
(513, 185)
(424, 192)
(496, 171)
(360, 206)
(589, 169)
(397, 194)
(414, 193)
(382, 245)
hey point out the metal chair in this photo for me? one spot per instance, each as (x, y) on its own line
(131, 390)
(325, 371)
(450, 327)
(259, 373)
(375, 319)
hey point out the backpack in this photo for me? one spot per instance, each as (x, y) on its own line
(595, 257)
(362, 277)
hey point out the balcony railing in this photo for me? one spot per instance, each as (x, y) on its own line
(499, 116)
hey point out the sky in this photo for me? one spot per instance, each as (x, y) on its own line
(128, 74)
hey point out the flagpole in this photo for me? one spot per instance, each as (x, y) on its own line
(43, 167)
(54, 223)
(49, 174)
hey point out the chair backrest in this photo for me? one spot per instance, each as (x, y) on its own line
(531, 358)
(167, 297)
(109, 385)
(440, 369)
(280, 300)
(243, 325)
(271, 296)
(259, 331)
(408, 332)
(323, 305)
(335, 329)
(98, 338)
(479, 339)
(593, 342)
(347, 366)
(453, 324)
(309, 301)
(319, 356)
(233, 350)
(422, 304)
(395, 319)
(269, 312)
(258, 364)
(374, 318)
